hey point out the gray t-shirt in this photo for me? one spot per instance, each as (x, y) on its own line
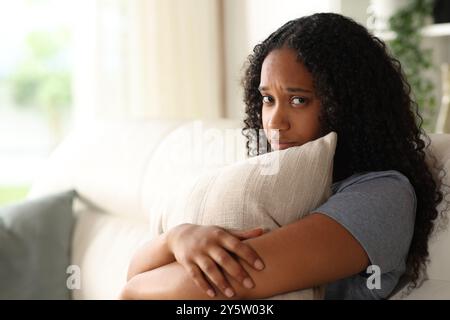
(378, 208)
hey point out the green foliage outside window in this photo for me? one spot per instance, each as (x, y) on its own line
(42, 78)
(407, 23)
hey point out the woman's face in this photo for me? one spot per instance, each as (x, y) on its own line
(289, 101)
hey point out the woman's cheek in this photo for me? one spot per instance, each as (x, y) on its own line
(265, 117)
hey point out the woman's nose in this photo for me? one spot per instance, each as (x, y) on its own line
(278, 120)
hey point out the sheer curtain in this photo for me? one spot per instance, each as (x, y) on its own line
(148, 58)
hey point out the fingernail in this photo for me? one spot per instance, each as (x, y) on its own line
(259, 265)
(248, 283)
(229, 293)
(210, 293)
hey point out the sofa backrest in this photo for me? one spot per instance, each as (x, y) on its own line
(124, 171)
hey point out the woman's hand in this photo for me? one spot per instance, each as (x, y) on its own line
(202, 249)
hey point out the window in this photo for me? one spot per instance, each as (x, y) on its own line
(35, 88)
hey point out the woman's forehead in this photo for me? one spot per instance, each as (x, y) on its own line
(282, 66)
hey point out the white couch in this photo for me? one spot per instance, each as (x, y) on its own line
(121, 172)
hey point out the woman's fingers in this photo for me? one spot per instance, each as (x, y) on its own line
(242, 250)
(207, 252)
(231, 266)
(211, 270)
(199, 279)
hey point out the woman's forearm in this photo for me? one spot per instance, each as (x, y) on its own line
(167, 282)
(153, 254)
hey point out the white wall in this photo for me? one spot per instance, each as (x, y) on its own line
(265, 16)
(356, 9)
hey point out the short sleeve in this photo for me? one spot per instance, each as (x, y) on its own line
(378, 209)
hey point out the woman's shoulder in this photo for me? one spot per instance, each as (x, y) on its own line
(374, 179)
(390, 185)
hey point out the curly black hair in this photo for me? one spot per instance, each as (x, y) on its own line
(366, 99)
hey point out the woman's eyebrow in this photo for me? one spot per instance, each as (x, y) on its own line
(297, 90)
(263, 88)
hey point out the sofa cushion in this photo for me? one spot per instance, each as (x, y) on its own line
(103, 245)
(268, 191)
(187, 152)
(35, 248)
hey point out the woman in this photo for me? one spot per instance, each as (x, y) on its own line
(316, 74)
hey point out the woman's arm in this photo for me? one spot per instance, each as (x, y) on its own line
(151, 255)
(312, 251)
(168, 282)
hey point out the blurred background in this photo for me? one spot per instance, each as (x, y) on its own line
(64, 63)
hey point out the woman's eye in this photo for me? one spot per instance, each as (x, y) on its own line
(266, 99)
(298, 101)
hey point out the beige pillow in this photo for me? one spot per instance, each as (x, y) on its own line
(269, 191)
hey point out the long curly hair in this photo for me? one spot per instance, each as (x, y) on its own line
(366, 99)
